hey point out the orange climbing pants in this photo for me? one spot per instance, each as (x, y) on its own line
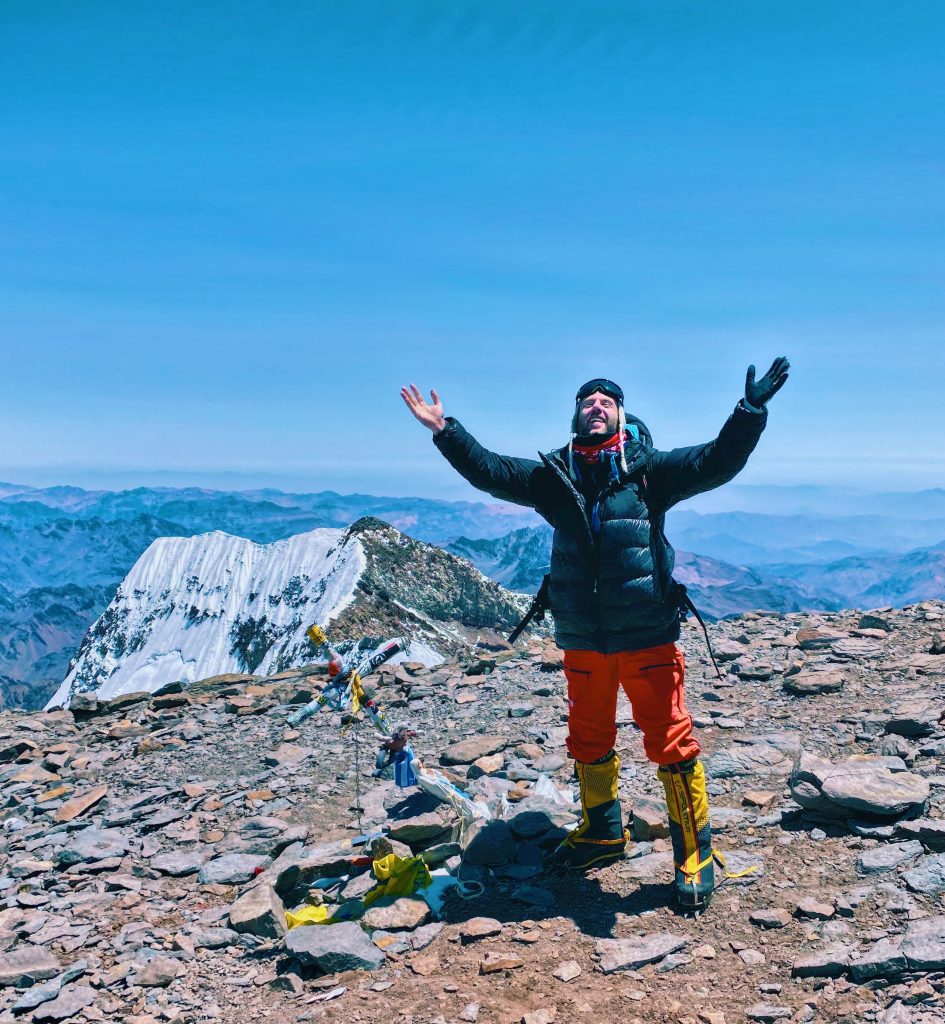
(652, 680)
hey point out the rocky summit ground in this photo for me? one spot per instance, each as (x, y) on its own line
(151, 845)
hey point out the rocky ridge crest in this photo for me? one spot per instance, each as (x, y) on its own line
(194, 607)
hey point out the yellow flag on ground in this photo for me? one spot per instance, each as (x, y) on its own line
(308, 915)
(396, 876)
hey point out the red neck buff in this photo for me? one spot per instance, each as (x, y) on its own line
(594, 452)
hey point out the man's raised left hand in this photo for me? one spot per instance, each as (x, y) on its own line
(758, 392)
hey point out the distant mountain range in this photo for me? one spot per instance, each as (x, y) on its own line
(518, 560)
(65, 550)
(719, 588)
(897, 579)
(263, 515)
(752, 538)
(821, 500)
(39, 632)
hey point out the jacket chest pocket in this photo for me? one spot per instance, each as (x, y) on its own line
(625, 504)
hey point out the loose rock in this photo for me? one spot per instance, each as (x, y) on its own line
(631, 954)
(337, 947)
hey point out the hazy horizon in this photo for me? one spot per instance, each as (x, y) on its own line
(303, 484)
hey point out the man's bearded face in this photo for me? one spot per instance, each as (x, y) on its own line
(598, 415)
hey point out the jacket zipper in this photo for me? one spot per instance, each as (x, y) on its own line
(594, 538)
(572, 490)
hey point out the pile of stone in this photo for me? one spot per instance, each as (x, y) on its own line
(152, 845)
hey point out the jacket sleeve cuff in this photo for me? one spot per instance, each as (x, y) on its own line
(745, 405)
(451, 427)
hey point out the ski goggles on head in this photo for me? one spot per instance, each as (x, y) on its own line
(604, 386)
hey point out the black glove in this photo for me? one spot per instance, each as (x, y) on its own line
(758, 392)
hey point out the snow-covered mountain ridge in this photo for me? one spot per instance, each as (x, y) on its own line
(200, 606)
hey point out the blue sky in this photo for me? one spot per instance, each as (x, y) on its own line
(232, 231)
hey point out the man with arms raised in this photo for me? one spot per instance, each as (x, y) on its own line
(615, 604)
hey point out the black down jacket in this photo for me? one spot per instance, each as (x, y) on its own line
(612, 587)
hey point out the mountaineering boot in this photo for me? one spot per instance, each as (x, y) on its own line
(691, 833)
(601, 837)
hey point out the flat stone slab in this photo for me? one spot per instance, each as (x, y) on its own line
(80, 804)
(126, 700)
(93, 844)
(884, 959)
(856, 648)
(477, 928)
(631, 954)
(817, 638)
(930, 832)
(778, 917)
(888, 856)
(158, 972)
(485, 766)
(915, 718)
(928, 876)
(421, 828)
(831, 962)
(530, 824)
(26, 965)
(923, 945)
(288, 754)
(260, 912)
(760, 758)
(38, 994)
(889, 794)
(568, 971)
(232, 869)
(160, 819)
(861, 786)
(424, 935)
(403, 914)
(178, 864)
(651, 867)
(922, 948)
(334, 948)
(534, 896)
(72, 999)
(12, 751)
(648, 820)
(814, 909)
(213, 938)
(768, 1013)
(806, 684)
(467, 751)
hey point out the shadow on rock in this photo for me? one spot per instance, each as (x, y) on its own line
(581, 898)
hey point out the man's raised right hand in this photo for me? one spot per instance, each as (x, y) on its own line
(430, 415)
